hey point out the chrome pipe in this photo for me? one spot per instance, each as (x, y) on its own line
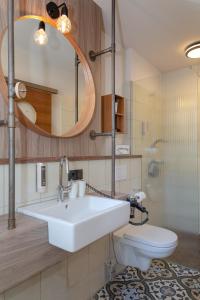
(11, 116)
(76, 87)
(113, 45)
(93, 133)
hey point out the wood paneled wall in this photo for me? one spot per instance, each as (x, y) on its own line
(87, 23)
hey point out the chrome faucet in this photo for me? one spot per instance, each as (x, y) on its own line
(64, 186)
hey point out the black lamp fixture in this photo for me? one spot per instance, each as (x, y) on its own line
(40, 36)
(63, 21)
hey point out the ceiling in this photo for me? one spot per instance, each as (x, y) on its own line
(159, 30)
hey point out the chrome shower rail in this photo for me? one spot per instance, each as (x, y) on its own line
(77, 62)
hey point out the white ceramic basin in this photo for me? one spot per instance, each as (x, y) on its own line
(75, 224)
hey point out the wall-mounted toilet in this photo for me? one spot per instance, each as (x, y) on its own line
(137, 245)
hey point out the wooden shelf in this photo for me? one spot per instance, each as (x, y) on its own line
(106, 113)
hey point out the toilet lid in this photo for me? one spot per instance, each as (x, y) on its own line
(149, 235)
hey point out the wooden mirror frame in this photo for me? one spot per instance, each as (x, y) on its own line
(89, 105)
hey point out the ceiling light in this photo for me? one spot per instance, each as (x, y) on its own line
(193, 50)
(63, 22)
(40, 36)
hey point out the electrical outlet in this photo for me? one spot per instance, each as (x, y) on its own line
(75, 174)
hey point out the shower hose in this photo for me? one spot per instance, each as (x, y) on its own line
(142, 222)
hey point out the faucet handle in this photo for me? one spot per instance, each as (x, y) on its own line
(63, 192)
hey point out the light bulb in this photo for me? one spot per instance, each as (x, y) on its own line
(40, 36)
(193, 50)
(64, 24)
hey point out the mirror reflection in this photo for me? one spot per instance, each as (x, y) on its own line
(53, 75)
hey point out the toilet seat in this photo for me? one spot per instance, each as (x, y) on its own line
(137, 245)
(148, 235)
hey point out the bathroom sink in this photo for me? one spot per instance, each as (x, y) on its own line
(78, 222)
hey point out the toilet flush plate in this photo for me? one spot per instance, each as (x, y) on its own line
(75, 224)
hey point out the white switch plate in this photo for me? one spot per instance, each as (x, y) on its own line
(41, 178)
(121, 173)
(122, 149)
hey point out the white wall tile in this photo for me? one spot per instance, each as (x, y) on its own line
(97, 174)
(181, 199)
(28, 290)
(25, 184)
(108, 174)
(4, 210)
(135, 168)
(136, 184)
(125, 186)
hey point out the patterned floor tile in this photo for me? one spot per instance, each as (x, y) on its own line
(167, 289)
(163, 281)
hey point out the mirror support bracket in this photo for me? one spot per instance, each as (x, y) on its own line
(94, 134)
(93, 55)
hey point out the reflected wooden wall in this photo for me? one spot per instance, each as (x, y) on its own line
(87, 28)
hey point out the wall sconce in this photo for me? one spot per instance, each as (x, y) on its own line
(40, 36)
(63, 23)
(193, 50)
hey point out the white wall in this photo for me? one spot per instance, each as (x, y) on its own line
(140, 83)
(137, 67)
(106, 67)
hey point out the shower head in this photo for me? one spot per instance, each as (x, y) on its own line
(153, 145)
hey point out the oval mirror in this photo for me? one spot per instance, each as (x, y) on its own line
(60, 87)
